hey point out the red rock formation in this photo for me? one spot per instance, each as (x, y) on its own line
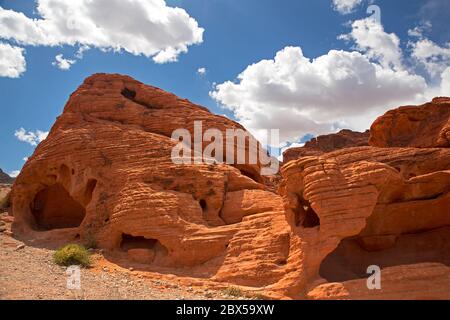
(327, 143)
(365, 206)
(426, 126)
(105, 172)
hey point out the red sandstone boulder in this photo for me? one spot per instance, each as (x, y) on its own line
(426, 126)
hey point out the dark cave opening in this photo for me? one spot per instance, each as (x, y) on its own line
(305, 215)
(203, 204)
(353, 256)
(129, 94)
(54, 208)
(137, 242)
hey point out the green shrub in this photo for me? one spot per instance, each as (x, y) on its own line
(72, 254)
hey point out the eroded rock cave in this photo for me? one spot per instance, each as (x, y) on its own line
(351, 259)
(54, 208)
(141, 249)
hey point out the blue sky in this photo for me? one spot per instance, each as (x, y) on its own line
(236, 35)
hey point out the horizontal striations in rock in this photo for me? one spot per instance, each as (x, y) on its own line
(425, 126)
(105, 172)
(364, 206)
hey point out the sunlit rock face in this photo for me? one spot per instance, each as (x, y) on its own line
(388, 207)
(425, 126)
(106, 172)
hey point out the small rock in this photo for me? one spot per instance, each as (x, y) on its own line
(131, 268)
(20, 247)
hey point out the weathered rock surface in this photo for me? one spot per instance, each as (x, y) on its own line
(4, 178)
(426, 126)
(327, 143)
(105, 172)
(365, 206)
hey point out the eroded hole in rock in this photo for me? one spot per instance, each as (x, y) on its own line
(54, 208)
(131, 242)
(305, 216)
(353, 256)
(129, 94)
(141, 249)
(203, 204)
(90, 187)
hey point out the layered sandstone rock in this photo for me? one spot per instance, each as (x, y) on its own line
(106, 172)
(426, 126)
(327, 143)
(365, 206)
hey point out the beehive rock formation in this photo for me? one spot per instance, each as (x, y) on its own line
(106, 172)
(327, 143)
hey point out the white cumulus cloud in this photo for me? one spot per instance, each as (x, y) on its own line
(61, 63)
(201, 71)
(12, 61)
(346, 6)
(300, 96)
(433, 57)
(370, 38)
(139, 27)
(30, 137)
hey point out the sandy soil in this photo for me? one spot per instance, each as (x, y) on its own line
(30, 273)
